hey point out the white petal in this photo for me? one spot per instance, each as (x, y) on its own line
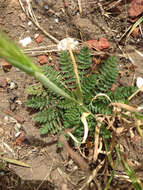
(63, 44)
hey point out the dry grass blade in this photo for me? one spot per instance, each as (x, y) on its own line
(101, 94)
(85, 124)
(41, 50)
(124, 106)
(16, 162)
(135, 93)
(108, 152)
(21, 4)
(84, 121)
(113, 5)
(8, 148)
(100, 6)
(73, 138)
(80, 7)
(75, 68)
(96, 137)
(66, 178)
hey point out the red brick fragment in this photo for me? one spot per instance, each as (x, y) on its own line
(6, 66)
(103, 44)
(135, 8)
(42, 59)
(100, 44)
(91, 43)
(38, 39)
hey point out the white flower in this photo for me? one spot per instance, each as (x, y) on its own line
(139, 82)
(63, 44)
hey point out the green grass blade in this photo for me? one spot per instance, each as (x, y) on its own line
(114, 169)
(130, 172)
(22, 67)
(47, 83)
(113, 172)
(107, 148)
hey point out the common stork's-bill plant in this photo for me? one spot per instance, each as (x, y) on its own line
(63, 96)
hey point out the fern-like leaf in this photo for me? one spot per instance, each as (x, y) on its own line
(41, 117)
(36, 103)
(84, 61)
(67, 70)
(50, 120)
(107, 75)
(121, 94)
(36, 90)
(71, 115)
(52, 127)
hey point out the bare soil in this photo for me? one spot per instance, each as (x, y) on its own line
(49, 168)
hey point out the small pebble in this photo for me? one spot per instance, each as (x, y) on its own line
(36, 1)
(57, 20)
(139, 82)
(6, 118)
(46, 7)
(29, 23)
(13, 85)
(2, 173)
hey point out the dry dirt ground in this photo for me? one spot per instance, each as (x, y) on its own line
(50, 169)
